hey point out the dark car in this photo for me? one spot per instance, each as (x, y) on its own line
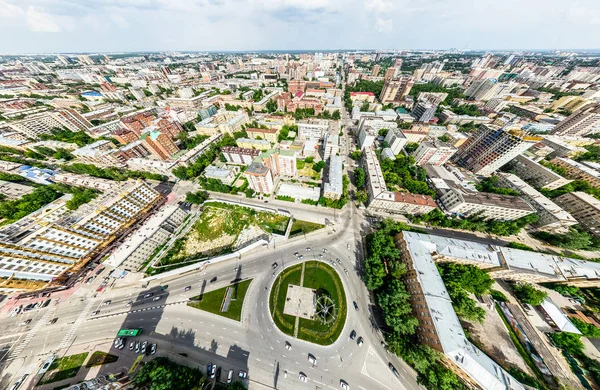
(352, 335)
(188, 288)
(394, 370)
(213, 279)
(355, 305)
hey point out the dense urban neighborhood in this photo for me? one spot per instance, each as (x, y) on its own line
(365, 219)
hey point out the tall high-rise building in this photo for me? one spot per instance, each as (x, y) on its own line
(479, 88)
(582, 122)
(375, 70)
(489, 148)
(424, 111)
(389, 73)
(396, 90)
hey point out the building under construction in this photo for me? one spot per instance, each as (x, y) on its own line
(49, 245)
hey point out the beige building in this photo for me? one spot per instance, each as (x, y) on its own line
(552, 217)
(266, 134)
(485, 205)
(536, 174)
(582, 122)
(259, 178)
(584, 208)
(576, 170)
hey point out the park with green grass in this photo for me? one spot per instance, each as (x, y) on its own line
(317, 294)
(227, 301)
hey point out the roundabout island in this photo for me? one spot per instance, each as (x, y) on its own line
(307, 301)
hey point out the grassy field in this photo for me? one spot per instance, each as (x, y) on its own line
(212, 301)
(319, 276)
(218, 228)
(284, 322)
(63, 368)
(100, 358)
(304, 227)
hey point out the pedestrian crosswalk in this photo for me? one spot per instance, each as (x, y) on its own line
(22, 342)
(82, 316)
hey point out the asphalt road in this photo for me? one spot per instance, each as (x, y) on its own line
(253, 345)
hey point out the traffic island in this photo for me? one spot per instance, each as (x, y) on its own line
(226, 302)
(307, 301)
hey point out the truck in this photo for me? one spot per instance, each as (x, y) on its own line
(129, 332)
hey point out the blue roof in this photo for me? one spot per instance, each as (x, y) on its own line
(91, 93)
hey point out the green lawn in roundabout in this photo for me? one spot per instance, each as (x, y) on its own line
(324, 279)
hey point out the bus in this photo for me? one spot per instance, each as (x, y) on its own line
(129, 332)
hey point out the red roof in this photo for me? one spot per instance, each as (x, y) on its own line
(299, 94)
(362, 93)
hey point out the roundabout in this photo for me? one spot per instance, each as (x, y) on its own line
(307, 301)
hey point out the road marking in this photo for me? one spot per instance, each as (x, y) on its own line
(245, 354)
(223, 328)
(283, 356)
(321, 383)
(271, 348)
(271, 364)
(297, 363)
(258, 360)
(278, 342)
(220, 336)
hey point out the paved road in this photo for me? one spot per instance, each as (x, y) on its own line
(253, 345)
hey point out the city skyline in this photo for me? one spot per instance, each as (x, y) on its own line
(45, 26)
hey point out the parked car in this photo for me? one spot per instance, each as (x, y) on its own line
(213, 371)
(243, 374)
(360, 341)
(107, 302)
(156, 298)
(391, 366)
(131, 345)
(229, 376)
(148, 295)
(152, 348)
(144, 346)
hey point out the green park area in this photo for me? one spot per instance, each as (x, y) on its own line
(331, 305)
(215, 301)
(304, 227)
(100, 358)
(63, 368)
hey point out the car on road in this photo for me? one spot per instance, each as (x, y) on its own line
(243, 374)
(352, 335)
(107, 302)
(312, 359)
(296, 254)
(324, 250)
(344, 385)
(90, 279)
(208, 368)
(301, 257)
(229, 376)
(152, 348)
(333, 263)
(308, 249)
(347, 246)
(391, 366)
(346, 271)
(95, 312)
(26, 322)
(53, 321)
(302, 377)
(187, 288)
(213, 371)
(149, 295)
(320, 256)
(360, 341)
(288, 346)
(213, 279)
(156, 298)
(144, 346)
(355, 305)
(339, 261)
(274, 265)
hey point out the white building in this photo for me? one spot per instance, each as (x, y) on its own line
(536, 174)
(330, 145)
(433, 152)
(366, 137)
(300, 192)
(395, 140)
(333, 188)
(312, 129)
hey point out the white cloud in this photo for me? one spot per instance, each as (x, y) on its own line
(119, 20)
(383, 25)
(40, 21)
(10, 11)
(378, 5)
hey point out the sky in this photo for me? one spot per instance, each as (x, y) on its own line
(49, 26)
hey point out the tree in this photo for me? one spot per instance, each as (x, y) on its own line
(588, 330)
(271, 106)
(411, 147)
(365, 106)
(237, 385)
(359, 177)
(309, 160)
(570, 342)
(318, 167)
(196, 197)
(490, 184)
(336, 115)
(361, 196)
(164, 374)
(383, 132)
(356, 155)
(528, 294)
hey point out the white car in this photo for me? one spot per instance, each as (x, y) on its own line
(312, 359)
(302, 377)
(288, 346)
(344, 385)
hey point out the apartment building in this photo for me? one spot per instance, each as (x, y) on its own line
(394, 91)
(584, 208)
(536, 174)
(44, 123)
(449, 117)
(578, 171)
(396, 140)
(137, 248)
(280, 162)
(86, 181)
(192, 155)
(159, 144)
(582, 122)
(249, 143)
(381, 199)
(259, 177)
(433, 152)
(552, 217)
(485, 205)
(331, 145)
(270, 135)
(366, 137)
(52, 242)
(439, 326)
(376, 122)
(489, 148)
(101, 153)
(423, 111)
(561, 148)
(333, 187)
(243, 156)
(312, 129)
(225, 175)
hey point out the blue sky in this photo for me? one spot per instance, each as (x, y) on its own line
(138, 25)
